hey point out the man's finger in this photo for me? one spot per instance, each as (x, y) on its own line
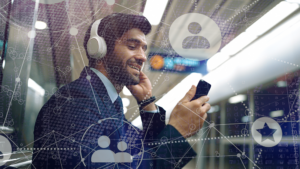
(142, 75)
(203, 99)
(206, 107)
(189, 95)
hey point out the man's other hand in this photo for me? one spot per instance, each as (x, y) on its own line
(188, 116)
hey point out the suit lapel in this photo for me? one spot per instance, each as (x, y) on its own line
(98, 92)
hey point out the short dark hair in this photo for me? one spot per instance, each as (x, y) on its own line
(113, 27)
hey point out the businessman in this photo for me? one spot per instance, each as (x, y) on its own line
(83, 125)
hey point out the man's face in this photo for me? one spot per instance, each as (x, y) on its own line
(128, 57)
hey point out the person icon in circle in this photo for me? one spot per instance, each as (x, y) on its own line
(123, 157)
(103, 156)
(194, 42)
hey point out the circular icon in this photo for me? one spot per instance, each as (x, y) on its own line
(106, 144)
(201, 43)
(103, 141)
(266, 132)
(122, 146)
(5, 150)
(157, 62)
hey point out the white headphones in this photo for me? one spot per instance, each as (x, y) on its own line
(96, 46)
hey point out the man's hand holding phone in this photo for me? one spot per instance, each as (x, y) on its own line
(188, 115)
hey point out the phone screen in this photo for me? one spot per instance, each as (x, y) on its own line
(202, 89)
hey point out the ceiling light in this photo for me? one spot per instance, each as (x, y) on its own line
(237, 99)
(214, 109)
(6, 129)
(21, 164)
(238, 43)
(245, 119)
(216, 61)
(125, 110)
(126, 91)
(36, 87)
(293, 1)
(276, 113)
(154, 9)
(265, 23)
(138, 122)
(125, 102)
(40, 25)
(271, 18)
(281, 84)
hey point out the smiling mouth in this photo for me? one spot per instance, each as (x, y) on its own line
(134, 67)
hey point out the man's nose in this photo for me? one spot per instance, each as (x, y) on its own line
(141, 55)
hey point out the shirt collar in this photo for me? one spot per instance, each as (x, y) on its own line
(111, 90)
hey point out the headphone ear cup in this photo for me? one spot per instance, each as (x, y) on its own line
(96, 47)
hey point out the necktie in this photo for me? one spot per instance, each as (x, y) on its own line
(119, 108)
(119, 105)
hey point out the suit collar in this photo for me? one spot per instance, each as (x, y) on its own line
(98, 92)
(95, 81)
(98, 88)
(100, 95)
(111, 90)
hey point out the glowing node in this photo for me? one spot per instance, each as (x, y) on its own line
(73, 31)
(110, 2)
(31, 34)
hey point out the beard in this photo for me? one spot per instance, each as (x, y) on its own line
(118, 71)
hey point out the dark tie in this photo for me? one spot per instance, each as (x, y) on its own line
(119, 105)
(119, 114)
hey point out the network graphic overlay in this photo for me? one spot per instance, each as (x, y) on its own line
(261, 130)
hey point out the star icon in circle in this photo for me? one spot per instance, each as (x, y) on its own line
(265, 132)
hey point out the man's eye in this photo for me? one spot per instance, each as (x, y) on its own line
(131, 47)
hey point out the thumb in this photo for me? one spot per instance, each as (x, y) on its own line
(189, 95)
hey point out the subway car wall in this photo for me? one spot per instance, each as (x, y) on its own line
(70, 100)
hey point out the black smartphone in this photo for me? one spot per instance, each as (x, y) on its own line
(202, 89)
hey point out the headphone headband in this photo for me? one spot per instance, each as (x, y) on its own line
(94, 29)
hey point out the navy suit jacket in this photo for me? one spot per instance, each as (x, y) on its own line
(68, 127)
